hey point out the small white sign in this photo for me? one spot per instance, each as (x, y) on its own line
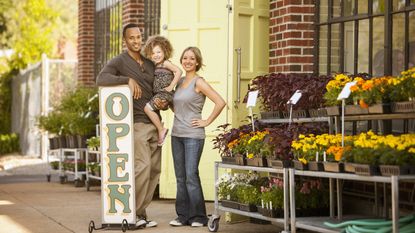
(345, 93)
(295, 97)
(252, 96)
(117, 155)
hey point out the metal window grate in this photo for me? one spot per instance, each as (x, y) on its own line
(107, 32)
(151, 18)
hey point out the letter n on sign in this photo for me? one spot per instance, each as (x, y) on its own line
(117, 151)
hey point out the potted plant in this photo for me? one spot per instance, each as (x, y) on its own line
(311, 198)
(334, 87)
(257, 148)
(272, 198)
(93, 143)
(248, 197)
(402, 92)
(54, 165)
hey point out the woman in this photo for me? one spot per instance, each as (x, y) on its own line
(188, 138)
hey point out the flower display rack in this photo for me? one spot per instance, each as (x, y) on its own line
(92, 156)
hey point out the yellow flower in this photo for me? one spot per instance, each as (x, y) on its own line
(250, 156)
(303, 160)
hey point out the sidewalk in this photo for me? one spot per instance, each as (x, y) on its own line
(29, 204)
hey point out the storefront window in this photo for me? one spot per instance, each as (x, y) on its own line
(363, 49)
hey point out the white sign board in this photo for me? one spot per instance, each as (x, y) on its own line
(117, 155)
(295, 97)
(252, 96)
(344, 94)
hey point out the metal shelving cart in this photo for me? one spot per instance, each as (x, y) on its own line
(75, 154)
(316, 223)
(89, 176)
(213, 223)
(54, 155)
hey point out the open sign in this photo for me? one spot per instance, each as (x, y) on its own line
(117, 151)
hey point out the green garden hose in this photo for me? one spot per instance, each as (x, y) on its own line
(406, 225)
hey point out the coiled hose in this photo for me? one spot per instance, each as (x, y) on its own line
(406, 225)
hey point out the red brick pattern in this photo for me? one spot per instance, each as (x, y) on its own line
(86, 43)
(133, 12)
(291, 36)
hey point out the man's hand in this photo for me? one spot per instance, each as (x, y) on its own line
(161, 104)
(135, 88)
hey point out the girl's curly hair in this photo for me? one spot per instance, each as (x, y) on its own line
(160, 41)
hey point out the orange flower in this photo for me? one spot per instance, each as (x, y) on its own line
(363, 104)
(354, 88)
(368, 85)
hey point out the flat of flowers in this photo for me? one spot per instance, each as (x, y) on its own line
(276, 163)
(402, 107)
(257, 162)
(366, 169)
(349, 167)
(355, 110)
(395, 170)
(333, 167)
(315, 166)
(333, 110)
(380, 108)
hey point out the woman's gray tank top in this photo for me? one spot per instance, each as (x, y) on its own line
(188, 105)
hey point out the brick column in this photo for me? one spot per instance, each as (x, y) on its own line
(133, 12)
(86, 10)
(291, 36)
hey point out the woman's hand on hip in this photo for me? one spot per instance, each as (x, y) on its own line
(199, 123)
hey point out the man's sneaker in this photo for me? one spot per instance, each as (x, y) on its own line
(197, 224)
(141, 223)
(176, 223)
(151, 223)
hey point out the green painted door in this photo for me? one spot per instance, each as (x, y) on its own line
(217, 27)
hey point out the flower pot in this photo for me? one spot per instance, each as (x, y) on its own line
(271, 115)
(355, 110)
(395, 170)
(320, 112)
(349, 167)
(257, 162)
(81, 141)
(229, 160)
(315, 166)
(366, 169)
(380, 108)
(230, 204)
(53, 143)
(333, 111)
(299, 165)
(62, 142)
(71, 141)
(402, 107)
(271, 213)
(296, 114)
(247, 207)
(333, 167)
(278, 163)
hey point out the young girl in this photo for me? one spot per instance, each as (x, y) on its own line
(159, 50)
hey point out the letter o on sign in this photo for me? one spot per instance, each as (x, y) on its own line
(109, 103)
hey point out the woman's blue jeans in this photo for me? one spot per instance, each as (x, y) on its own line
(190, 203)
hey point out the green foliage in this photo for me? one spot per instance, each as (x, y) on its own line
(247, 194)
(54, 165)
(5, 101)
(273, 194)
(9, 143)
(93, 142)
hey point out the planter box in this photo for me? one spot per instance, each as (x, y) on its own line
(229, 160)
(320, 112)
(271, 213)
(366, 169)
(271, 115)
(402, 107)
(333, 167)
(355, 110)
(230, 204)
(333, 111)
(299, 165)
(53, 143)
(71, 141)
(349, 167)
(257, 162)
(82, 141)
(62, 142)
(247, 207)
(395, 170)
(380, 108)
(296, 114)
(315, 166)
(278, 163)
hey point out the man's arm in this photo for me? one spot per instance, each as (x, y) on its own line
(108, 75)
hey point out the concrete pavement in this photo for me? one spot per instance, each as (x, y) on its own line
(29, 204)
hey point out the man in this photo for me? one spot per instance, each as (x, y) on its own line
(133, 69)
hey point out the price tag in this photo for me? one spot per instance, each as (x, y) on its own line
(295, 97)
(252, 97)
(345, 93)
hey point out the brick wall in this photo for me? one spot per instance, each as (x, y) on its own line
(291, 36)
(133, 12)
(86, 43)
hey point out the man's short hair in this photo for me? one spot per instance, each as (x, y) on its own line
(130, 25)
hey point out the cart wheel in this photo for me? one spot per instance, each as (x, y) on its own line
(62, 179)
(87, 185)
(213, 223)
(91, 226)
(48, 178)
(78, 183)
(124, 225)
